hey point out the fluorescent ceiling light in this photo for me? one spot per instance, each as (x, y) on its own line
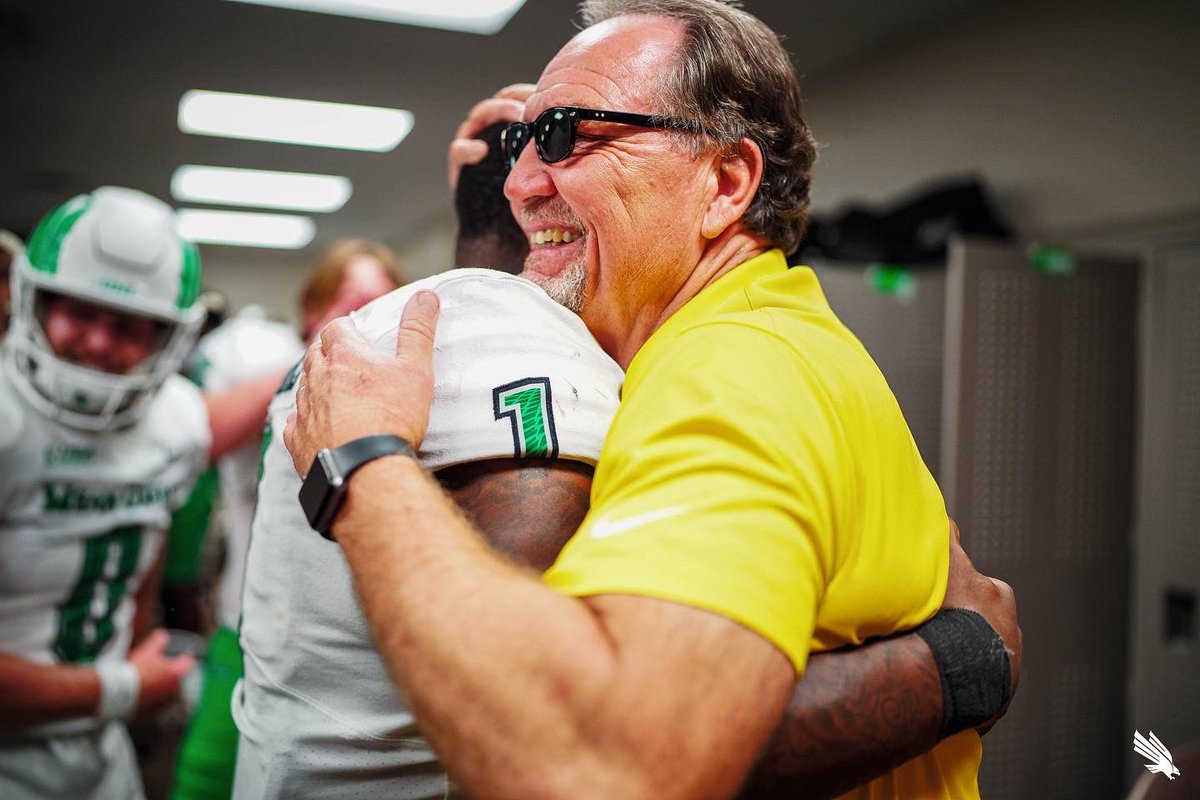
(471, 16)
(279, 119)
(245, 228)
(261, 188)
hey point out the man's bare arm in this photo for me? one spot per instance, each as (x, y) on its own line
(857, 714)
(612, 693)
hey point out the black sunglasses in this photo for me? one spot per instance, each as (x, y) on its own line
(553, 131)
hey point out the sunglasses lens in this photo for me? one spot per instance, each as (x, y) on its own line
(513, 141)
(555, 135)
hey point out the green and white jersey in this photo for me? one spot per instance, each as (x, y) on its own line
(82, 517)
(246, 347)
(516, 375)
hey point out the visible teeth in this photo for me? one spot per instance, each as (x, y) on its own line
(553, 236)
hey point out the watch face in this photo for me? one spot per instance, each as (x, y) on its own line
(312, 490)
(324, 488)
(318, 492)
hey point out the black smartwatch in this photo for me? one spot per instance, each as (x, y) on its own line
(324, 488)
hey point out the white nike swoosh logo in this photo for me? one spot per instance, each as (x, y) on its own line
(603, 528)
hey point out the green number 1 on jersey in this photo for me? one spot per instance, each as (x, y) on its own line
(85, 622)
(527, 405)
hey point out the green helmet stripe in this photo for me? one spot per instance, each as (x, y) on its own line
(48, 236)
(189, 279)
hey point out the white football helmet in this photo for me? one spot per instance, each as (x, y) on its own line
(117, 248)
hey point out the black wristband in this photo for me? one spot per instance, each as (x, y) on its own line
(973, 666)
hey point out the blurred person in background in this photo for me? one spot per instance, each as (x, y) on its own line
(240, 365)
(758, 500)
(188, 566)
(10, 248)
(347, 276)
(99, 441)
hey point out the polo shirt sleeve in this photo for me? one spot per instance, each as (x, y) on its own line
(715, 486)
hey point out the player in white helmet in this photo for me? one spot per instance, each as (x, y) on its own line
(99, 441)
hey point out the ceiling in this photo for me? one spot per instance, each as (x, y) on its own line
(91, 89)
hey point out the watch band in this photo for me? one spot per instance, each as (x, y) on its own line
(324, 488)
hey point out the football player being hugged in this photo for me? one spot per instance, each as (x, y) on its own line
(99, 441)
(245, 360)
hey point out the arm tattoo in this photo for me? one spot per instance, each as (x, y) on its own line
(526, 508)
(855, 715)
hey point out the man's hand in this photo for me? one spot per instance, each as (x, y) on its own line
(349, 389)
(159, 676)
(993, 599)
(507, 105)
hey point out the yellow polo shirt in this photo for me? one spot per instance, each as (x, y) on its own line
(760, 467)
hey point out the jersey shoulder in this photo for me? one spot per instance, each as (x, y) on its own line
(495, 310)
(516, 374)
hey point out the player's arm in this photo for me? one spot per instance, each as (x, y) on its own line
(861, 712)
(526, 508)
(34, 694)
(855, 715)
(236, 415)
(31, 694)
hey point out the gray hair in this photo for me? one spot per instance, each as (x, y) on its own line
(734, 79)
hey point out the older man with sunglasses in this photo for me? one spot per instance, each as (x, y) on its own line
(758, 498)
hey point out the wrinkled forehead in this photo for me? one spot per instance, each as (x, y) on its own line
(615, 65)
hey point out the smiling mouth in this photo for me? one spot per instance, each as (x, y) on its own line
(553, 237)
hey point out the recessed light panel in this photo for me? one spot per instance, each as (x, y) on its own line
(471, 16)
(295, 191)
(245, 228)
(280, 119)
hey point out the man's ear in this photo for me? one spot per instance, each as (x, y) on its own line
(737, 177)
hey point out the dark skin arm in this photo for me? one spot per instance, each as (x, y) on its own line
(857, 714)
(526, 508)
(861, 712)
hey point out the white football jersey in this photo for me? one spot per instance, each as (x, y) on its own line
(246, 347)
(82, 518)
(516, 375)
